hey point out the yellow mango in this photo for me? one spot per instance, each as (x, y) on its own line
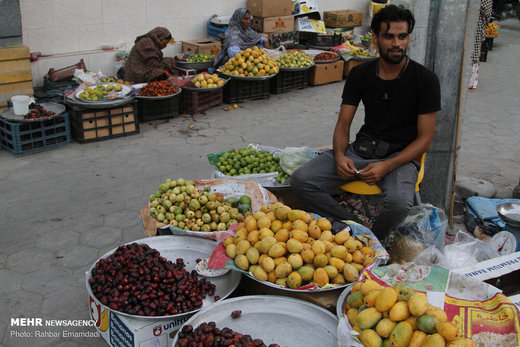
(385, 327)
(417, 304)
(351, 315)
(413, 322)
(401, 335)
(418, 338)
(320, 277)
(369, 338)
(368, 318)
(399, 311)
(448, 330)
(350, 272)
(369, 285)
(437, 313)
(386, 299)
(370, 297)
(434, 340)
(355, 299)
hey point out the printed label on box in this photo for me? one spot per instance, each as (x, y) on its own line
(120, 335)
(304, 6)
(310, 25)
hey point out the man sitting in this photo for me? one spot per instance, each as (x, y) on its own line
(401, 99)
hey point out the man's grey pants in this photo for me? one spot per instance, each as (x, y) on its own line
(313, 181)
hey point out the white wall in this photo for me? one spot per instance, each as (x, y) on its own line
(65, 31)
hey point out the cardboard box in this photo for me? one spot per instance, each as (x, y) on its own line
(304, 6)
(288, 39)
(280, 24)
(309, 25)
(269, 8)
(502, 272)
(342, 18)
(326, 73)
(119, 330)
(202, 46)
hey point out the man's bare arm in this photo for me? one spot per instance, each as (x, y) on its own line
(344, 166)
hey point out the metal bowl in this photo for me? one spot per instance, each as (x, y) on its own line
(510, 213)
(189, 248)
(274, 319)
(196, 65)
(9, 114)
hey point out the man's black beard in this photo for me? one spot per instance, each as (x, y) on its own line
(387, 58)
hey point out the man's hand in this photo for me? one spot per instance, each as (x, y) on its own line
(374, 172)
(345, 167)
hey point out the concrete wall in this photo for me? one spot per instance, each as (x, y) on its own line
(65, 31)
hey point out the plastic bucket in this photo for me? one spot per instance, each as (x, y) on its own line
(20, 104)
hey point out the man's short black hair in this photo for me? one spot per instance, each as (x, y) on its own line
(392, 13)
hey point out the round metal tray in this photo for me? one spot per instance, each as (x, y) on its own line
(158, 97)
(510, 213)
(303, 68)
(124, 90)
(220, 20)
(196, 65)
(259, 78)
(8, 113)
(189, 248)
(326, 61)
(340, 304)
(195, 89)
(314, 289)
(73, 101)
(274, 319)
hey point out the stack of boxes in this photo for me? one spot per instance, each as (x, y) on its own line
(15, 73)
(275, 19)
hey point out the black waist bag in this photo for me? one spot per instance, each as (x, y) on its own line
(369, 147)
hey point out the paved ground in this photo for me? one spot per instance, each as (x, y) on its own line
(62, 209)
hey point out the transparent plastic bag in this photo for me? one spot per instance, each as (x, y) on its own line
(424, 226)
(292, 158)
(466, 250)
(275, 53)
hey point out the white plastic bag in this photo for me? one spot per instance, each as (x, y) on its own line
(275, 53)
(292, 158)
(466, 250)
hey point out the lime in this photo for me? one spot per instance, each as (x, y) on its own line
(243, 208)
(244, 199)
(233, 201)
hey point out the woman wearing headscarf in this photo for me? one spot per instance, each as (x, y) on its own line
(145, 63)
(239, 36)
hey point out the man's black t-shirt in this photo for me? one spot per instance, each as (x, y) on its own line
(392, 106)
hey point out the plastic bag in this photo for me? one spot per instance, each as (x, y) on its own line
(424, 226)
(275, 53)
(466, 250)
(292, 158)
(89, 77)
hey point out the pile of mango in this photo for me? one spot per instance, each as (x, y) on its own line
(253, 62)
(399, 316)
(289, 247)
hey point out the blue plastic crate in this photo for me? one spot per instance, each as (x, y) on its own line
(214, 31)
(33, 137)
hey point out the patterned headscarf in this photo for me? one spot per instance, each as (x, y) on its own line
(237, 36)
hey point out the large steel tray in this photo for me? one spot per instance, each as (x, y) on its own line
(274, 319)
(189, 248)
(8, 113)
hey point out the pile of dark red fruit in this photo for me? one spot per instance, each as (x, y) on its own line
(37, 111)
(135, 279)
(208, 335)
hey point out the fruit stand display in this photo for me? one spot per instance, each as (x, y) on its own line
(158, 100)
(256, 163)
(102, 111)
(410, 305)
(205, 208)
(294, 72)
(293, 250)
(200, 92)
(152, 281)
(250, 71)
(45, 127)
